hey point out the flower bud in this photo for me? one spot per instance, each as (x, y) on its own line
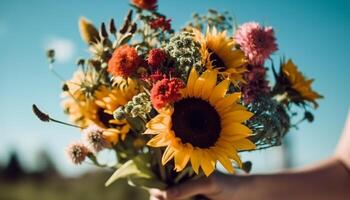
(88, 32)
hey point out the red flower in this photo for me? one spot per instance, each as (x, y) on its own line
(145, 4)
(166, 91)
(124, 61)
(161, 23)
(157, 57)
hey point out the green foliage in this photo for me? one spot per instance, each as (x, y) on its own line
(138, 173)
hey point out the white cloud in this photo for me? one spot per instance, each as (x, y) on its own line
(64, 48)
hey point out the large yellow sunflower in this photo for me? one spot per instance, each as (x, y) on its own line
(108, 100)
(299, 83)
(204, 126)
(218, 52)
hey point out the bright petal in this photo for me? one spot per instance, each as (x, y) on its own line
(191, 81)
(181, 158)
(219, 91)
(227, 101)
(236, 129)
(167, 155)
(200, 82)
(195, 160)
(209, 84)
(208, 163)
(159, 140)
(236, 116)
(244, 144)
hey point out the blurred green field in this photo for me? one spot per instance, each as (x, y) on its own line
(88, 187)
(47, 184)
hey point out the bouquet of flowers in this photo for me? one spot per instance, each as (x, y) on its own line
(172, 105)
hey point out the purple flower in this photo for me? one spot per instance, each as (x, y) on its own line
(257, 42)
(256, 85)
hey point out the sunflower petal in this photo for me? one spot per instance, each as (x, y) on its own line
(227, 101)
(236, 116)
(159, 123)
(200, 82)
(226, 163)
(236, 129)
(195, 160)
(181, 158)
(219, 91)
(167, 155)
(159, 140)
(207, 164)
(191, 81)
(209, 84)
(244, 144)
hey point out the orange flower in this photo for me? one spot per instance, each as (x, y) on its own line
(124, 61)
(145, 4)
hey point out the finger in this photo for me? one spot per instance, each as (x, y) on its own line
(188, 189)
(157, 194)
(155, 198)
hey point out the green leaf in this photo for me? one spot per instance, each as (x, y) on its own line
(146, 182)
(136, 169)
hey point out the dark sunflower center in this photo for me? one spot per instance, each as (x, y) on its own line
(217, 62)
(196, 122)
(104, 117)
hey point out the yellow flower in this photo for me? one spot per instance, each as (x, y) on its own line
(299, 84)
(203, 127)
(218, 52)
(97, 107)
(108, 100)
(75, 102)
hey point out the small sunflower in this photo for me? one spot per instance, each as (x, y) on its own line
(300, 86)
(203, 126)
(108, 100)
(218, 52)
(76, 103)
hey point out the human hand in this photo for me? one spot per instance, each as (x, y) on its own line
(216, 187)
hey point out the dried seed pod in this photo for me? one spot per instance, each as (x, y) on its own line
(50, 54)
(88, 32)
(103, 31)
(112, 28)
(126, 23)
(133, 28)
(65, 87)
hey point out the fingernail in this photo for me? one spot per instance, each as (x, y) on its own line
(173, 192)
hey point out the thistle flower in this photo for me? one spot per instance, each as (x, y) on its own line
(93, 136)
(257, 42)
(77, 152)
(88, 32)
(145, 4)
(166, 91)
(140, 105)
(124, 61)
(160, 23)
(185, 52)
(156, 58)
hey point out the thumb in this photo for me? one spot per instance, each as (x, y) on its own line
(188, 189)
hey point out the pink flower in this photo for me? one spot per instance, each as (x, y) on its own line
(77, 152)
(257, 42)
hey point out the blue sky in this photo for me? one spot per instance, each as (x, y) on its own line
(314, 33)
